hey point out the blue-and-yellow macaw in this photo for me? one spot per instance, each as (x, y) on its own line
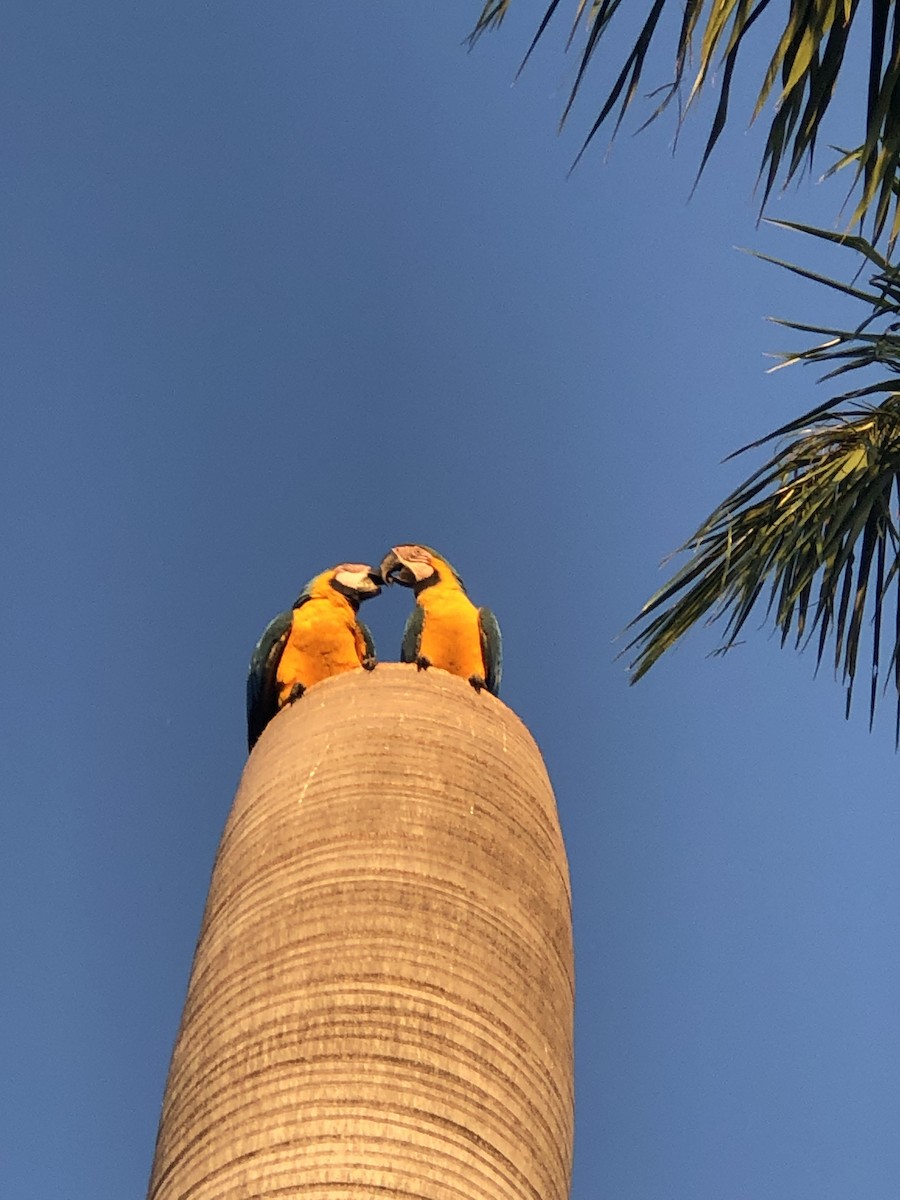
(445, 629)
(319, 636)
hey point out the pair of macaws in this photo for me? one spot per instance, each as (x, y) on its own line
(321, 635)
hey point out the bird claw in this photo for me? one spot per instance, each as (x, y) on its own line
(295, 693)
(477, 682)
(369, 663)
(423, 663)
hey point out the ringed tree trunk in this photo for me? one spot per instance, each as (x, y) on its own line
(381, 1000)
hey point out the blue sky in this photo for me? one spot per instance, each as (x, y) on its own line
(285, 284)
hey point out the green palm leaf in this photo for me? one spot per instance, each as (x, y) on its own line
(814, 531)
(798, 83)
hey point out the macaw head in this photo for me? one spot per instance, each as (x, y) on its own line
(355, 581)
(417, 567)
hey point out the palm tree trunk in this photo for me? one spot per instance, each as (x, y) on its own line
(382, 993)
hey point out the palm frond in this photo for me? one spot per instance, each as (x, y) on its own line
(797, 85)
(815, 530)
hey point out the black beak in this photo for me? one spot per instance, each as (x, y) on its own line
(389, 564)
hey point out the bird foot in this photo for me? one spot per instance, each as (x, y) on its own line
(477, 682)
(295, 693)
(423, 663)
(369, 663)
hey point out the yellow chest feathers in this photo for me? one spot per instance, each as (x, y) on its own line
(451, 634)
(324, 640)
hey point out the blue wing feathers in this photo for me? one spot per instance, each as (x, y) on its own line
(491, 649)
(368, 639)
(412, 636)
(262, 692)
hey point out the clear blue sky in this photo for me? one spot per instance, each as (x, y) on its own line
(284, 284)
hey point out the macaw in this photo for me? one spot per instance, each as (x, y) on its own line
(319, 636)
(445, 629)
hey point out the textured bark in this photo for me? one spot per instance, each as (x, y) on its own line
(381, 999)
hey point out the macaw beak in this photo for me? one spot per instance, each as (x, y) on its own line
(394, 570)
(388, 564)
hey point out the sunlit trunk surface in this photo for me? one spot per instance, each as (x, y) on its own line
(381, 998)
